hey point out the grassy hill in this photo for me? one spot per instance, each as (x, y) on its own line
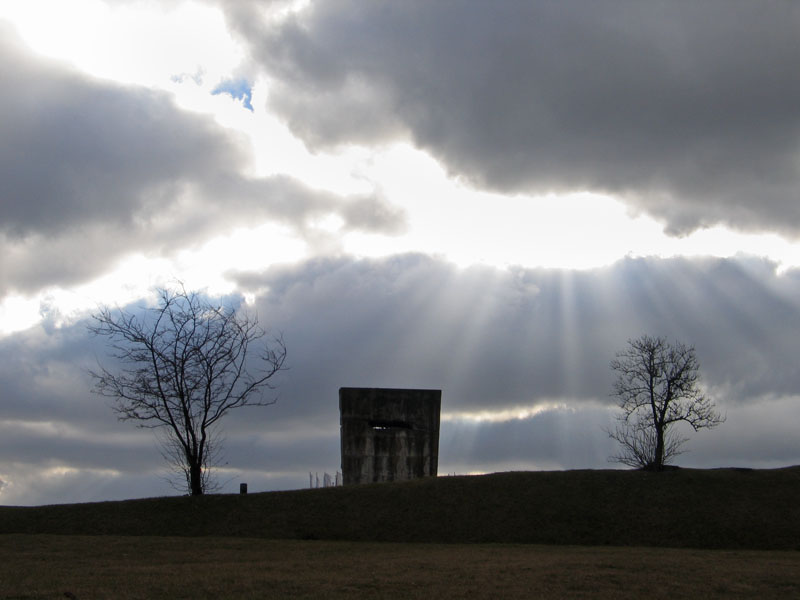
(684, 508)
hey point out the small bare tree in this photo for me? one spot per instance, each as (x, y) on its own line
(188, 362)
(657, 386)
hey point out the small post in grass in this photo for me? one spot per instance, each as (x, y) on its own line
(243, 488)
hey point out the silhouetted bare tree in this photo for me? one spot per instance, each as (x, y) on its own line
(189, 362)
(657, 387)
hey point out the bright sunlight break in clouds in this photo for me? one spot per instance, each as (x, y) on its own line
(487, 198)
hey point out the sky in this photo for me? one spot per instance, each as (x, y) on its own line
(484, 198)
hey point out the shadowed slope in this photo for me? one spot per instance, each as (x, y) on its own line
(724, 508)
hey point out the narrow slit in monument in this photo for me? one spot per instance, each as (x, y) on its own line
(385, 425)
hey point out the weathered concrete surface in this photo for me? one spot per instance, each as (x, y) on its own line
(389, 434)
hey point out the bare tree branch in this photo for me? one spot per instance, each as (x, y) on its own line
(187, 363)
(657, 387)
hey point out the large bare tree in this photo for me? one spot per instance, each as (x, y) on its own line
(182, 366)
(657, 387)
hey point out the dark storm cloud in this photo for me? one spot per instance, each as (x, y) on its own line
(497, 340)
(759, 435)
(762, 434)
(59, 442)
(492, 340)
(687, 110)
(77, 151)
(46, 394)
(500, 339)
(90, 170)
(553, 439)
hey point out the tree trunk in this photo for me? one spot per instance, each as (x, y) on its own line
(658, 459)
(196, 478)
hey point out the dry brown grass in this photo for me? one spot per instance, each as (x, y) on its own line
(90, 567)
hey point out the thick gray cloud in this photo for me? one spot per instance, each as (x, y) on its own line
(492, 340)
(686, 110)
(91, 170)
(506, 338)
(77, 151)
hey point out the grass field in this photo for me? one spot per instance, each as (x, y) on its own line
(726, 533)
(91, 567)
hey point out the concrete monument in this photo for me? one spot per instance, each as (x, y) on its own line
(389, 434)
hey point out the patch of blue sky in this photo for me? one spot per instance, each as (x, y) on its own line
(240, 89)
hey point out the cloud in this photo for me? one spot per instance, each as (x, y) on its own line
(553, 439)
(78, 151)
(530, 342)
(507, 338)
(685, 110)
(534, 342)
(91, 171)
